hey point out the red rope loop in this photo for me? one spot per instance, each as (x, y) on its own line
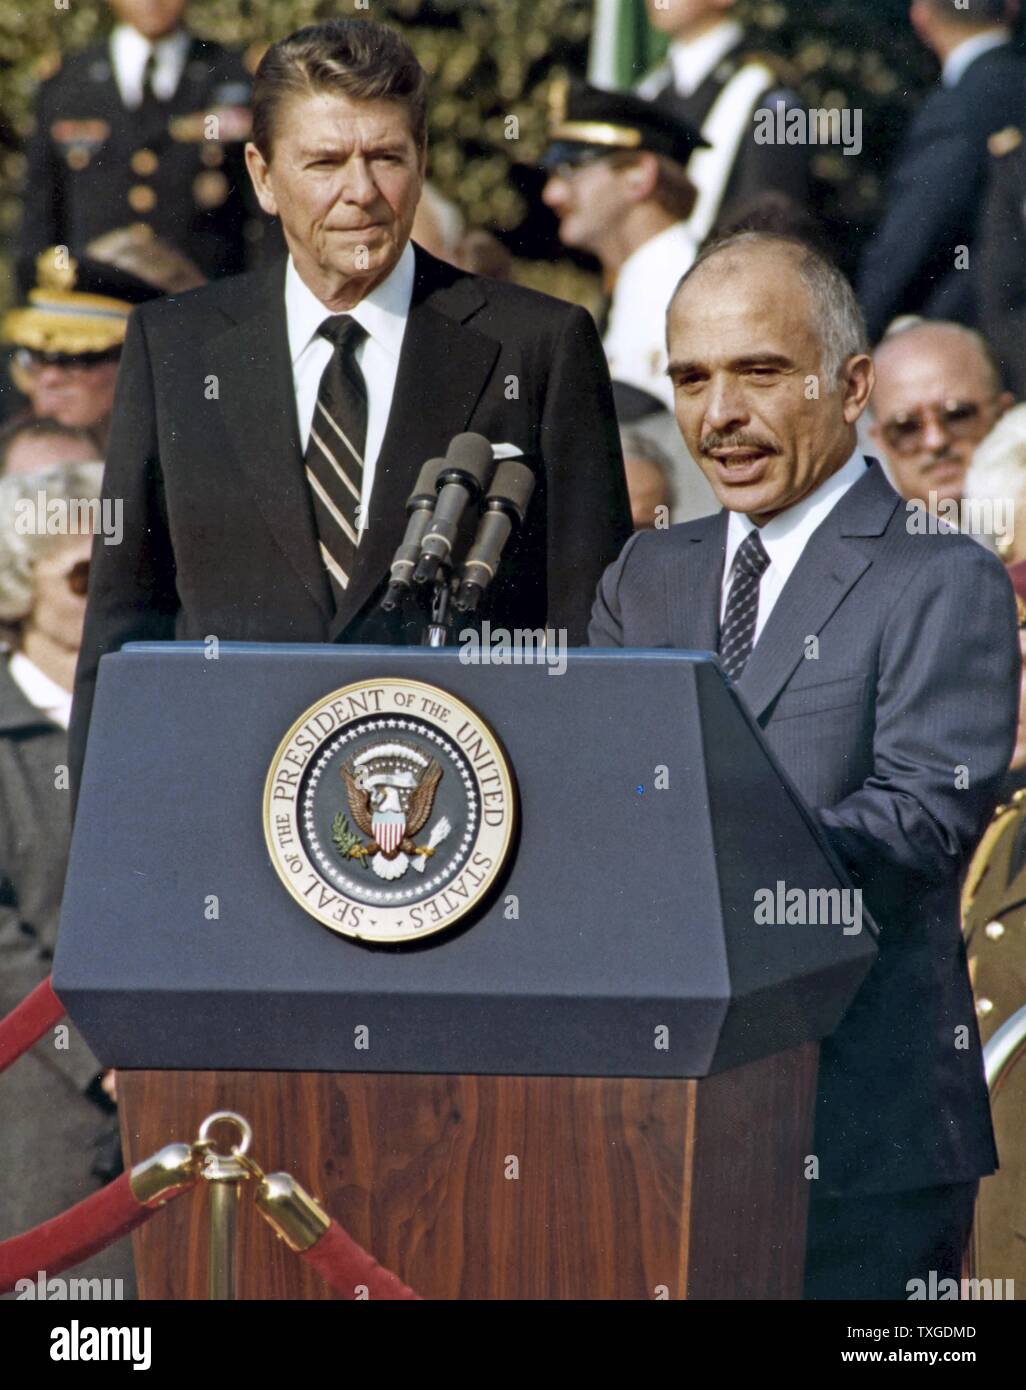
(347, 1267)
(35, 1015)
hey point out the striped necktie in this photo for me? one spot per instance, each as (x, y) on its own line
(737, 635)
(334, 454)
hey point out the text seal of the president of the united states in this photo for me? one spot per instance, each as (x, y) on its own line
(389, 810)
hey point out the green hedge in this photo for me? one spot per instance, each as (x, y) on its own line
(492, 59)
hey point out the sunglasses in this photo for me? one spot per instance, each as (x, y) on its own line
(32, 361)
(959, 419)
(569, 169)
(77, 578)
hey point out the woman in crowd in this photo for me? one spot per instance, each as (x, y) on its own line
(58, 1137)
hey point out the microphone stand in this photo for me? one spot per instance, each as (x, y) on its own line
(437, 631)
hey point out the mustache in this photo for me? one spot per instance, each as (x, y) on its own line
(719, 439)
(947, 454)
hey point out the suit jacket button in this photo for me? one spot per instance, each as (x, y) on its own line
(144, 163)
(141, 198)
(210, 189)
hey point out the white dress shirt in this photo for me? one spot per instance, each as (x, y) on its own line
(635, 340)
(37, 687)
(785, 536)
(691, 63)
(129, 53)
(383, 313)
(959, 58)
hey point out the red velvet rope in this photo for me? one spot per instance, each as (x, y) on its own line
(35, 1015)
(76, 1234)
(344, 1265)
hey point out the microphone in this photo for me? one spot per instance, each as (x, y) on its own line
(504, 509)
(469, 464)
(420, 504)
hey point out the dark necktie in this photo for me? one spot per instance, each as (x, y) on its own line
(150, 101)
(334, 455)
(737, 635)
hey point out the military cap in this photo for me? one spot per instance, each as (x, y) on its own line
(586, 120)
(79, 306)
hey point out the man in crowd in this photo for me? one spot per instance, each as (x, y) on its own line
(812, 540)
(617, 183)
(921, 260)
(715, 82)
(660, 471)
(1001, 254)
(937, 395)
(67, 340)
(149, 128)
(269, 428)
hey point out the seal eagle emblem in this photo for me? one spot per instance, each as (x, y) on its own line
(389, 810)
(391, 789)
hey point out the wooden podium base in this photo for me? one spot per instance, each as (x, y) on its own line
(497, 1187)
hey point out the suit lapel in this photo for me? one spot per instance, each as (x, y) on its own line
(443, 368)
(828, 568)
(251, 362)
(693, 586)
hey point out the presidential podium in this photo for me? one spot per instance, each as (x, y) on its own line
(474, 947)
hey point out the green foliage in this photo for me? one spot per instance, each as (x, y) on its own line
(492, 60)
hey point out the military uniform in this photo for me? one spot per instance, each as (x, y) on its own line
(994, 909)
(95, 164)
(755, 169)
(994, 926)
(1001, 260)
(587, 123)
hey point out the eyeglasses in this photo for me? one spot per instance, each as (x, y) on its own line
(78, 577)
(960, 419)
(569, 169)
(33, 362)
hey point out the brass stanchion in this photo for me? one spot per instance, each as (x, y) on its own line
(225, 1174)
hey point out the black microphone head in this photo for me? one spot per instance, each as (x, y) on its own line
(513, 482)
(471, 453)
(427, 482)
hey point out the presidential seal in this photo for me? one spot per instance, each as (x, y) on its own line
(389, 810)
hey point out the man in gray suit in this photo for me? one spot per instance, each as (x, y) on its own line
(882, 665)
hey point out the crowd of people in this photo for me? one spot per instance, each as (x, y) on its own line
(137, 189)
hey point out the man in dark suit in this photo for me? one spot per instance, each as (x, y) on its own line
(148, 127)
(882, 665)
(1001, 258)
(269, 428)
(714, 80)
(921, 260)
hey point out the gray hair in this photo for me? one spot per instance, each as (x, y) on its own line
(842, 329)
(998, 467)
(22, 547)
